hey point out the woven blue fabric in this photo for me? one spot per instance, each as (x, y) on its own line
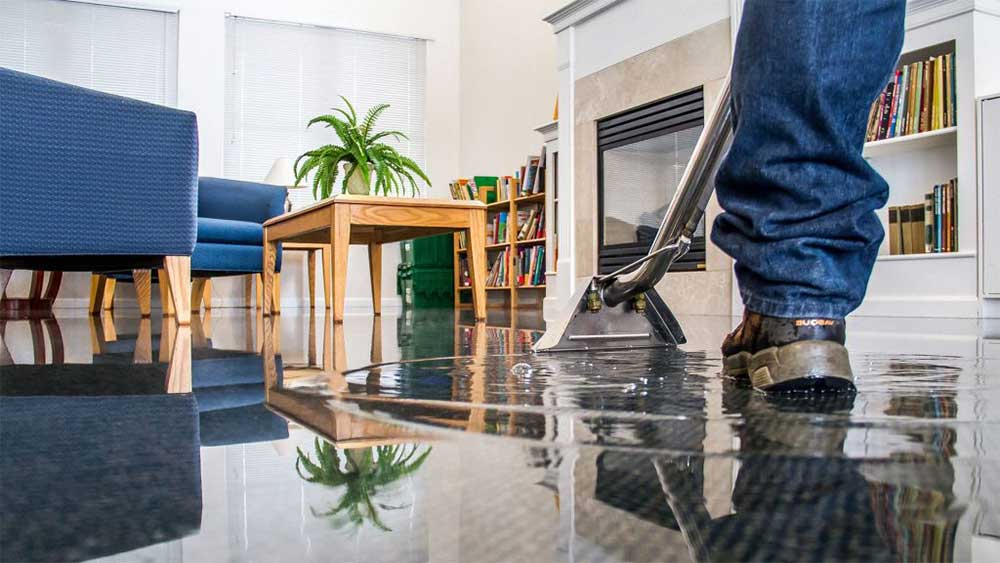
(214, 259)
(229, 231)
(88, 173)
(236, 200)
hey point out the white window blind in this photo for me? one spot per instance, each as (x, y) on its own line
(279, 76)
(125, 51)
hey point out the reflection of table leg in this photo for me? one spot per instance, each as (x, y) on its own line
(340, 239)
(56, 341)
(375, 270)
(477, 260)
(376, 357)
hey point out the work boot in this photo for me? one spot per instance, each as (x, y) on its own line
(797, 354)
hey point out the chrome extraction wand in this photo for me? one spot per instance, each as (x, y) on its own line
(621, 309)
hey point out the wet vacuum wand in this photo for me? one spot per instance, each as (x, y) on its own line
(622, 309)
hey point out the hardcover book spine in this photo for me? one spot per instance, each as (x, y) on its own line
(929, 222)
(894, 231)
(937, 218)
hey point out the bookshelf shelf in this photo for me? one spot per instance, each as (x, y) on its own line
(530, 241)
(927, 256)
(911, 143)
(498, 205)
(533, 198)
(497, 246)
(542, 286)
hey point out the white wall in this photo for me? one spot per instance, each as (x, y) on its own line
(201, 88)
(508, 82)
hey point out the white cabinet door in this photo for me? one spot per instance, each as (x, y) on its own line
(990, 160)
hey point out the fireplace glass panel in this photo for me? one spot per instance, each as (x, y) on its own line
(640, 179)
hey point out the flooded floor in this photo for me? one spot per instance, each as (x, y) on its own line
(426, 437)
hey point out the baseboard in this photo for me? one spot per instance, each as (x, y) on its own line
(936, 307)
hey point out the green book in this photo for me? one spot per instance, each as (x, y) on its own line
(488, 183)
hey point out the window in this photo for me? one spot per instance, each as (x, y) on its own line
(125, 51)
(278, 76)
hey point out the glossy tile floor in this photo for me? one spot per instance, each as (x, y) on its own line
(246, 439)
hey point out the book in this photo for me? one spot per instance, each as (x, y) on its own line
(896, 85)
(917, 226)
(530, 172)
(937, 218)
(928, 222)
(906, 230)
(895, 234)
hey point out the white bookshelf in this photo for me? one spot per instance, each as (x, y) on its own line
(945, 284)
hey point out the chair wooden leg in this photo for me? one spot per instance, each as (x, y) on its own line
(166, 301)
(108, 299)
(96, 293)
(375, 271)
(178, 270)
(259, 281)
(197, 292)
(276, 294)
(248, 291)
(311, 273)
(143, 281)
(206, 296)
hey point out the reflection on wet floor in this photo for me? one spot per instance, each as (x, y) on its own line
(425, 437)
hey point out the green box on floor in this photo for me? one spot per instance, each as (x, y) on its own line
(426, 275)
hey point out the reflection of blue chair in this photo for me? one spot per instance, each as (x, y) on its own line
(91, 476)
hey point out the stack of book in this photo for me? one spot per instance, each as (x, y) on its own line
(531, 266)
(496, 230)
(464, 188)
(498, 270)
(533, 173)
(920, 97)
(506, 185)
(928, 227)
(531, 224)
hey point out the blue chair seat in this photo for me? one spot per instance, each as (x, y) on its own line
(230, 231)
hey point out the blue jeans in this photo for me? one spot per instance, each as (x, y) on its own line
(799, 199)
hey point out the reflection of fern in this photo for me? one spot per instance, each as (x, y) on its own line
(363, 472)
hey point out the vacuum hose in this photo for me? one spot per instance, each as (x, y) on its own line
(685, 212)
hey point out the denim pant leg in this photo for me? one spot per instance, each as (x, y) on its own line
(799, 199)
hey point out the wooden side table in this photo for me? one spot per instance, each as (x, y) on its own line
(373, 221)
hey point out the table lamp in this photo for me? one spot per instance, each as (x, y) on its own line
(282, 173)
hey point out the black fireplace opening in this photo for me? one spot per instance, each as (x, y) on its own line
(641, 156)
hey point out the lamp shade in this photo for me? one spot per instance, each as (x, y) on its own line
(282, 173)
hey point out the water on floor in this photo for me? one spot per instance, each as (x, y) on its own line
(426, 437)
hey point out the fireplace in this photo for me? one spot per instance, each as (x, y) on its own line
(641, 156)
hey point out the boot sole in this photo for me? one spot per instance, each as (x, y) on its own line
(811, 365)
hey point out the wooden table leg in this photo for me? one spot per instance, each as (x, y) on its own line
(375, 271)
(311, 276)
(259, 279)
(207, 294)
(340, 239)
(270, 255)
(276, 294)
(477, 260)
(328, 276)
(248, 291)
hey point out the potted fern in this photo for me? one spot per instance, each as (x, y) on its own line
(367, 161)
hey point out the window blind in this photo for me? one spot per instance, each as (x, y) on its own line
(126, 51)
(280, 75)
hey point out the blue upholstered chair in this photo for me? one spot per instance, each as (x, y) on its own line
(231, 217)
(94, 182)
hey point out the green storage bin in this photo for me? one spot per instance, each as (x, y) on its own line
(426, 275)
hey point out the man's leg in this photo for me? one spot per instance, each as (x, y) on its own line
(799, 199)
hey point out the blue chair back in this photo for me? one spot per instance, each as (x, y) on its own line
(235, 200)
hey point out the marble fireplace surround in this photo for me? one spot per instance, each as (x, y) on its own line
(700, 58)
